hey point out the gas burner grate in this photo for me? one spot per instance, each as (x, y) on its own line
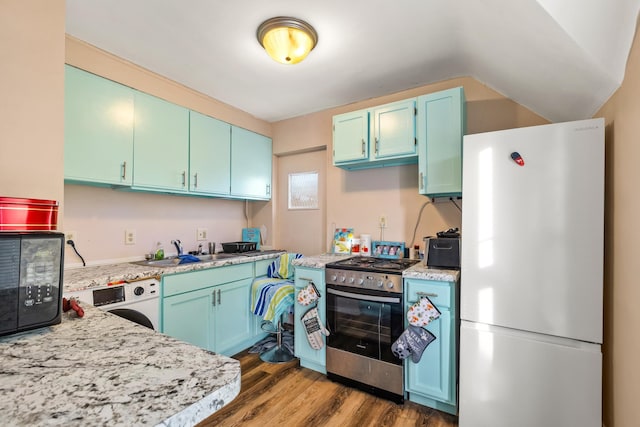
(374, 264)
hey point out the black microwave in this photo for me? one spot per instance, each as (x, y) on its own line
(31, 269)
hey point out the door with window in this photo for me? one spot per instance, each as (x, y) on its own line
(301, 222)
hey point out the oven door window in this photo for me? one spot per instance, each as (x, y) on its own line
(364, 324)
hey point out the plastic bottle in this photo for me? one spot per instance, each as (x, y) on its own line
(159, 251)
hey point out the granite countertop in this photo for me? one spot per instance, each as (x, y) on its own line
(421, 271)
(417, 271)
(319, 261)
(104, 370)
(76, 279)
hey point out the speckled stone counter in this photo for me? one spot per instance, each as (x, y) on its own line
(319, 261)
(76, 279)
(420, 271)
(417, 271)
(104, 370)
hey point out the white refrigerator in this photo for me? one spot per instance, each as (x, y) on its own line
(532, 277)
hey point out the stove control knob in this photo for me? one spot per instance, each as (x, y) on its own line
(379, 283)
(342, 279)
(334, 277)
(390, 284)
(360, 280)
(139, 290)
(351, 279)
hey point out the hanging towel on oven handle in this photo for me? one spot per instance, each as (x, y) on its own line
(422, 312)
(314, 328)
(412, 343)
(308, 295)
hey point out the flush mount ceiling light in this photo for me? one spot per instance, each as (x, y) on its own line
(287, 40)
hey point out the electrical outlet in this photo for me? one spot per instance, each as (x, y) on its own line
(201, 234)
(70, 235)
(129, 237)
(382, 221)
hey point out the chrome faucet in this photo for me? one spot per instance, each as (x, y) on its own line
(178, 246)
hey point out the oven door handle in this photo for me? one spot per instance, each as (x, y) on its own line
(372, 298)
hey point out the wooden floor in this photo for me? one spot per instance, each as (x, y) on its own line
(288, 395)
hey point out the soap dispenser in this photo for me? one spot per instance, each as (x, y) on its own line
(159, 251)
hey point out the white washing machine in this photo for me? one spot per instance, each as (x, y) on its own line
(137, 301)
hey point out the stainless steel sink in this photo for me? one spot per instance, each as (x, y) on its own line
(174, 261)
(213, 257)
(169, 262)
(259, 253)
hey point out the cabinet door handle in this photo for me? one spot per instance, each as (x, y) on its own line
(426, 294)
(363, 146)
(421, 181)
(268, 190)
(124, 170)
(219, 298)
(376, 145)
(213, 297)
(184, 178)
(195, 180)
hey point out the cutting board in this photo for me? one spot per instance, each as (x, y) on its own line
(251, 235)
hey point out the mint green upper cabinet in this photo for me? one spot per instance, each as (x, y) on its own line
(441, 125)
(250, 165)
(209, 155)
(377, 137)
(161, 145)
(350, 137)
(98, 121)
(394, 130)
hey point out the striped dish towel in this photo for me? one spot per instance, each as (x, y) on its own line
(271, 297)
(281, 267)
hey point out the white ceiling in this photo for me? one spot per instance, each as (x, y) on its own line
(561, 58)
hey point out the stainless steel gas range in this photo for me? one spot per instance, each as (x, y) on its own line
(365, 316)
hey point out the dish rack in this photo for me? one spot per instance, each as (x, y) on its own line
(236, 247)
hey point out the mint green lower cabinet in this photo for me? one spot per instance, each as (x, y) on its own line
(234, 324)
(189, 317)
(210, 308)
(309, 358)
(433, 380)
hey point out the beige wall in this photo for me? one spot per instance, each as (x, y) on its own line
(99, 217)
(357, 198)
(31, 151)
(31, 98)
(622, 233)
